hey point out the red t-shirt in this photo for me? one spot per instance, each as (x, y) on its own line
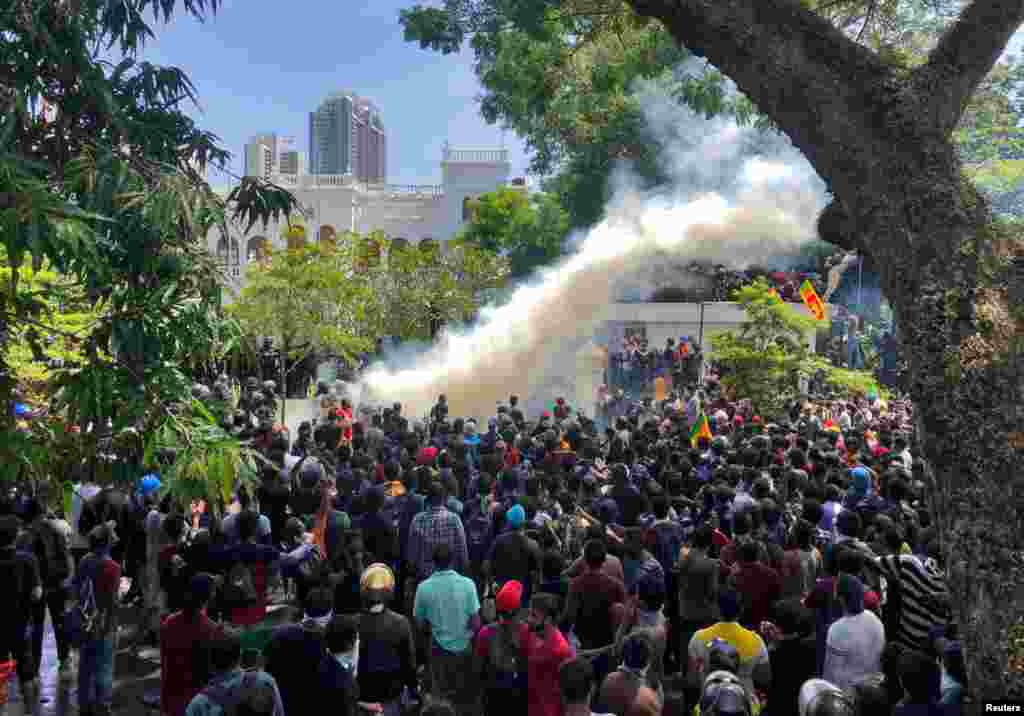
(759, 587)
(595, 593)
(178, 639)
(543, 658)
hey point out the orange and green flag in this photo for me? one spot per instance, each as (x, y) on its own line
(700, 429)
(812, 301)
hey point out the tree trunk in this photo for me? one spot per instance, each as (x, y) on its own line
(881, 141)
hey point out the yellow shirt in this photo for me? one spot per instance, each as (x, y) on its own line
(749, 646)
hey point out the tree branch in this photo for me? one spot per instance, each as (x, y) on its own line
(966, 52)
(802, 72)
(836, 226)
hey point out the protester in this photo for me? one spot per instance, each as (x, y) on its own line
(447, 603)
(96, 586)
(628, 691)
(693, 553)
(546, 651)
(20, 572)
(387, 655)
(53, 555)
(855, 642)
(231, 690)
(750, 647)
(294, 653)
(501, 655)
(184, 661)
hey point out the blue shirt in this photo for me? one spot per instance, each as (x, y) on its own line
(447, 601)
(225, 687)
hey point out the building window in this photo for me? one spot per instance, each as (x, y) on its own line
(467, 209)
(256, 249)
(228, 256)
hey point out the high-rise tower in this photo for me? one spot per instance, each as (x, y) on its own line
(346, 136)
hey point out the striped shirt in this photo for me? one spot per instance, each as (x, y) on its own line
(924, 598)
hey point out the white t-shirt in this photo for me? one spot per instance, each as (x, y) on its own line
(853, 649)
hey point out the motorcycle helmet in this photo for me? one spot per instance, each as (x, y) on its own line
(724, 695)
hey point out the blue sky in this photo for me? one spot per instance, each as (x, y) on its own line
(262, 66)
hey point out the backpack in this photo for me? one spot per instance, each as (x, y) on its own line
(55, 567)
(84, 619)
(239, 587)
(505, 660)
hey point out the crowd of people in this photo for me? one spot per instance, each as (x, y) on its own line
(692, 557)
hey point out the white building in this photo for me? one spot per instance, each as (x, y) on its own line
(334, 203)
(259, 160)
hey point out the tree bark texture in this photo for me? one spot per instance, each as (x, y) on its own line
(880, 138)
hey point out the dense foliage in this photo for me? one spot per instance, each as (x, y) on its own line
(768, 356)
(337, 298)
(102, 182)
(527, 229)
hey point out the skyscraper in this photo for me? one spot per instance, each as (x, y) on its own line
(346, 136)
(261, 156)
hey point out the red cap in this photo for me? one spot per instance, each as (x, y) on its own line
(738, 420)
(871, 601)
(426, 456)
(510, 598)
(545, 414)
(757, 420)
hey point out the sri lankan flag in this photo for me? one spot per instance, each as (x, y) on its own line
(812, 301)
(700, 429)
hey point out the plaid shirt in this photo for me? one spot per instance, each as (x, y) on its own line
(434, 526)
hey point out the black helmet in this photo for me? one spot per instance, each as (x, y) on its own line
(870, 695)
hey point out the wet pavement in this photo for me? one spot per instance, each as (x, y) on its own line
(136, 675)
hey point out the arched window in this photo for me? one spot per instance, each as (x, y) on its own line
(256, 249)
(222, 251)
(236, 257)
(296, 236)
(372, 252)
(467, 209)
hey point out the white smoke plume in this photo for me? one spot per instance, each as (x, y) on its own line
(738, 197)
